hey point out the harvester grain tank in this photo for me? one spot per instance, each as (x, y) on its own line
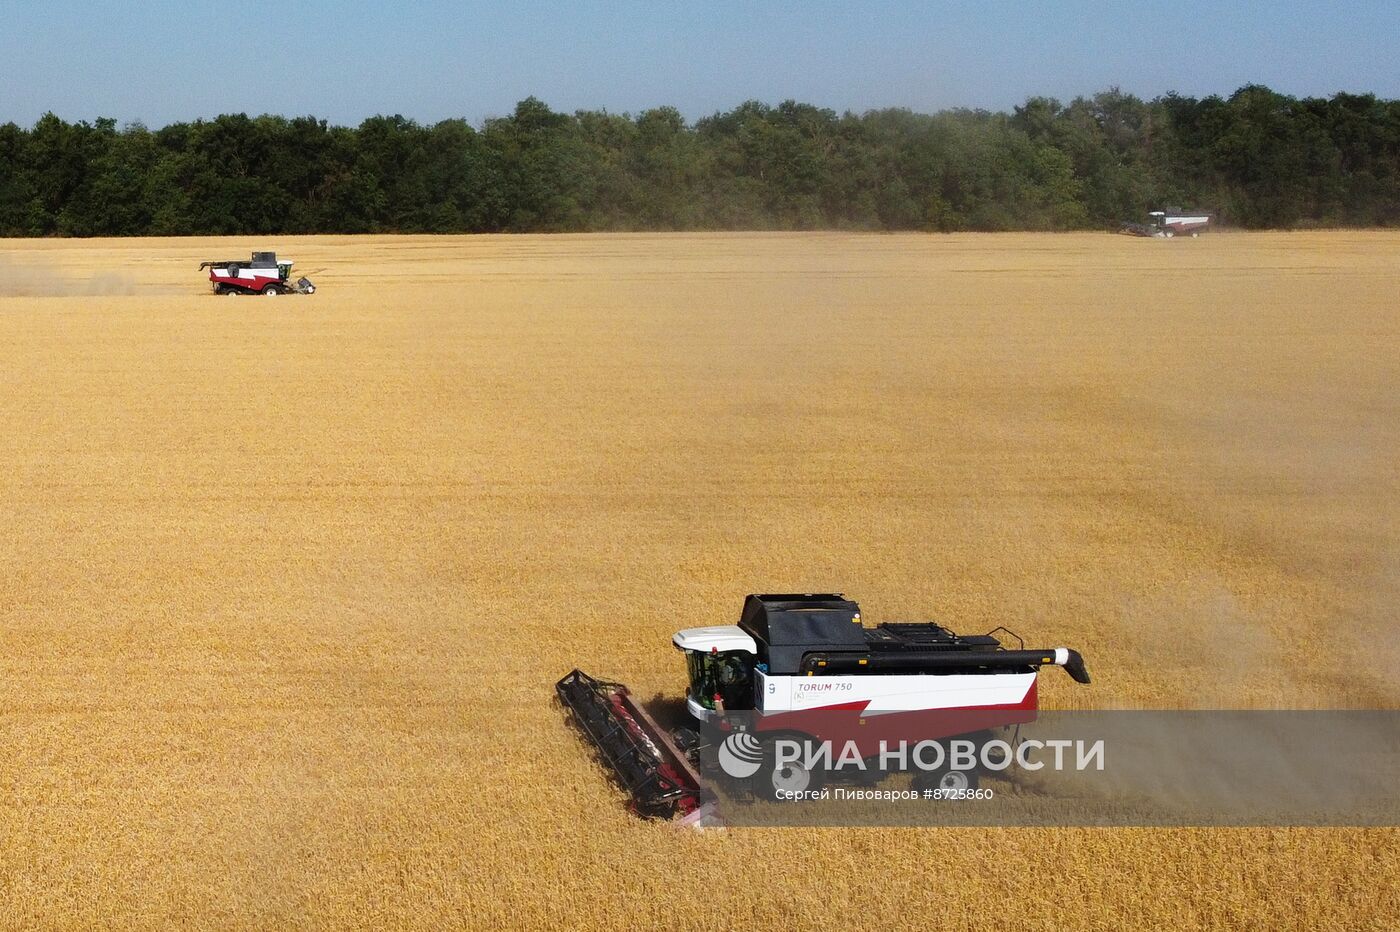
(804, 665)
(262, 274)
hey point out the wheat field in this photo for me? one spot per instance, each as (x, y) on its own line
(285, 583)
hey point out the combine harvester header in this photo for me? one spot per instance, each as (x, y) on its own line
(658, 775)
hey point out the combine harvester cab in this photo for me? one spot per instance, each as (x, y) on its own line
(804, 667)
(262, 274)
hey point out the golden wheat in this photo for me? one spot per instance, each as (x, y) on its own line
(286, 583)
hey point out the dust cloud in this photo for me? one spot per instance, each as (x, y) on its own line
(28, 278)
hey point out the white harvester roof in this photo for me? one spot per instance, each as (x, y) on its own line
(715, 637)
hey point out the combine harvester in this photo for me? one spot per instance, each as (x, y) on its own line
(805, 667)
(1165, 224)
(262, 274)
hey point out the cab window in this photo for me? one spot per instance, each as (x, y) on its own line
(730, 675)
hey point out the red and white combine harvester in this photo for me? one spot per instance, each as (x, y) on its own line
(805, 667)
(262, 274)
(1165, 224)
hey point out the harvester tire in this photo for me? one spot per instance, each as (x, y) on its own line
(792, 777)
(946, 778)
(271, 291)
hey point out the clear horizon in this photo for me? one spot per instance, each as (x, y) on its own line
(432, 60)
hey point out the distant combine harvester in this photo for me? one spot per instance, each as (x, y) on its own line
(1165, 224)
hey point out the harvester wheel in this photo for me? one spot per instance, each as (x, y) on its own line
(271, 291)
(789, 778)
(946, 779)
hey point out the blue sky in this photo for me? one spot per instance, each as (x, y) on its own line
(430, 59)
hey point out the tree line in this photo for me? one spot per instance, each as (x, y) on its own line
(1257, 159)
